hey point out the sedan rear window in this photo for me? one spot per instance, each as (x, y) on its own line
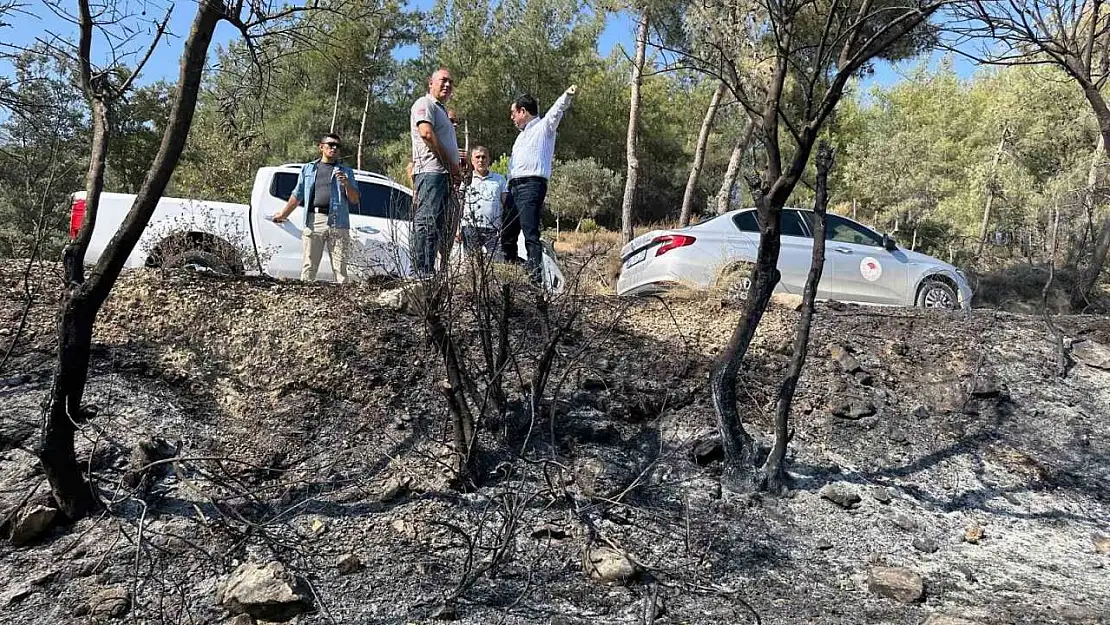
(791, 225)
(745, 221)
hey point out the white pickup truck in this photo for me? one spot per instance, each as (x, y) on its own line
(242, 238)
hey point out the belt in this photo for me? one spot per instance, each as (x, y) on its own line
(323, 210)
(524, 179)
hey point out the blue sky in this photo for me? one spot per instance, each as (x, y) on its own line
(38, 23)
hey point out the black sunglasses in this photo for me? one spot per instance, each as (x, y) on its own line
(332, 145)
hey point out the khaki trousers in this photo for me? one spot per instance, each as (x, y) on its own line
(313, 243)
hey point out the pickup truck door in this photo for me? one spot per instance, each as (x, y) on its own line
(278, 245)
(380, 228)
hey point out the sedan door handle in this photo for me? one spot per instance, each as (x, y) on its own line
(843, 250)
(368, 229)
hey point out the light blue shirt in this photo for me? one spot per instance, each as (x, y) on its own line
(534, 147)
(339, 212)
(483, 201)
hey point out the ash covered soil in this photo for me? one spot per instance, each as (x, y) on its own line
(311, 433)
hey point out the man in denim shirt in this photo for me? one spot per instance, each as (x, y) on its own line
(327, 188)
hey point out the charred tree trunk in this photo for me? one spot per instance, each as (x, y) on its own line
(83, 298)
(73, 494)
(774, 473)
(724, 196)
(633, 173)
(699, 156)
(739, 447)
(454, 391)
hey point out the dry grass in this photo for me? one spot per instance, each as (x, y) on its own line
(595, 254)
(570, 242)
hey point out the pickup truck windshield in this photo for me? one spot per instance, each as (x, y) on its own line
(375, 200)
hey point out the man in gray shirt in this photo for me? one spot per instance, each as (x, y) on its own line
(436, 172)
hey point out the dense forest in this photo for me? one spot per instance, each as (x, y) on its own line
(926, 155)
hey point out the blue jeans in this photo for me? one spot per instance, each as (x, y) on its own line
(525, 213)
(429, 221)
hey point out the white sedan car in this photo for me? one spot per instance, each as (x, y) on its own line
(861, 265)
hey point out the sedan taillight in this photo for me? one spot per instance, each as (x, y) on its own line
(76, 217)
(668, 242)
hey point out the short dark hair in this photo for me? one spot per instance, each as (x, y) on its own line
(330, 135)
(528, 103)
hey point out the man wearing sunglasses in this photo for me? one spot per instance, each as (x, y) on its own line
(436, 170)
(327, 189)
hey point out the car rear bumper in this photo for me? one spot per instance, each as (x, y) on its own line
(662, 273)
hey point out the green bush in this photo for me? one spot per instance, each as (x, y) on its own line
(587, 226)
(584, 189)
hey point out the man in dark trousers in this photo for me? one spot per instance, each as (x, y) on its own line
(436, 172)
(529, 170)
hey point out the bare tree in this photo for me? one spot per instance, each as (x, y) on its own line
(496, 373)
(991, 190)
(728, 183)
(1069, 34)
(804, 54)
(699, 154)
(774, 469)
(632, 175)
(84, 295)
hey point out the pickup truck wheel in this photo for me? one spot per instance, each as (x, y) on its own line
(199, 261)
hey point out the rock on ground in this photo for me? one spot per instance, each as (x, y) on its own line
(268, 592)
(896, 583)
(110, 602)
(609, 566)
(941, 619)
(842, 494)
(32, 522)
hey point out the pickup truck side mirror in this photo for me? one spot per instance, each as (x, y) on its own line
(889, 243)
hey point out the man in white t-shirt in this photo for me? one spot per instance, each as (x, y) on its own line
(485, 199)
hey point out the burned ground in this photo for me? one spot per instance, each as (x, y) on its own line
(310, 428)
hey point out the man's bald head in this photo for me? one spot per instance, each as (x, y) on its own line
(441, 84)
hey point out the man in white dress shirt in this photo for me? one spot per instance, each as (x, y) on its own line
(529, 170)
